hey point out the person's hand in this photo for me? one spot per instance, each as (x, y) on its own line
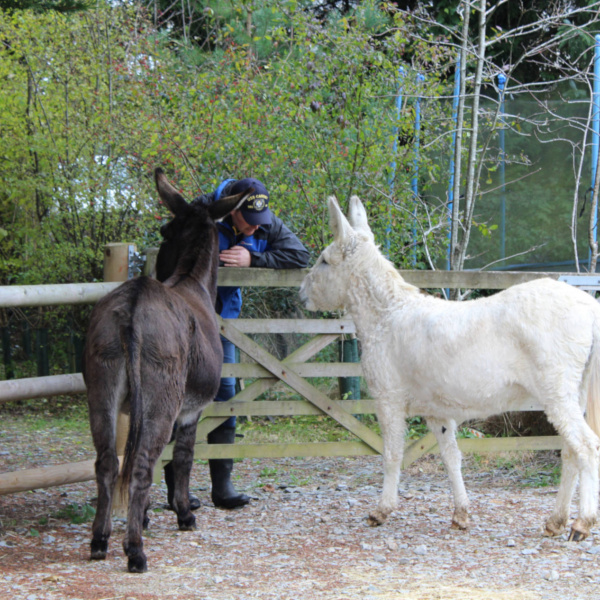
(237, 256)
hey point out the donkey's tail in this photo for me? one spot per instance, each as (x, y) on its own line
(131, 346)
(592, 414)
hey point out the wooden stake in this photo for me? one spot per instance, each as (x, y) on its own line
(121, 496)
(116, 268)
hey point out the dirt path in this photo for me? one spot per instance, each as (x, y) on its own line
(303, 537)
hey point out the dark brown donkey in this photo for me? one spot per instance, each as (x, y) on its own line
(153, 351)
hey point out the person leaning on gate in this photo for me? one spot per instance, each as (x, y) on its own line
(251, 236)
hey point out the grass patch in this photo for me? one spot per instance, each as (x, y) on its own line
(539, 479)
(60, 413)
(286, 430)
(35, 436)
(76, 513)
(530, 469)
(63, 424)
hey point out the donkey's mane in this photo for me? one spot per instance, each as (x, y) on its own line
(380, 276)
(179, 253)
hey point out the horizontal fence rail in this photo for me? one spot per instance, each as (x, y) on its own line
(57, 385)
(266, 370)
(89, 293)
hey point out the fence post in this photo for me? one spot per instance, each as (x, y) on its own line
(6, 351)
(150, 263)
(349, 386)
(116, 261)
(42, 350)
(27, 340)
(76, 345)
(116, 268)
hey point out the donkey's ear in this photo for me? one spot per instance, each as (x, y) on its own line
(339, 224)
(220, 209)
(357, 216)
(168, 194)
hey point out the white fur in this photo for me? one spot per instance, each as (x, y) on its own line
(452, 361)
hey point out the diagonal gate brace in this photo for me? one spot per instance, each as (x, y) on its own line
(300, 385)
(254, 390)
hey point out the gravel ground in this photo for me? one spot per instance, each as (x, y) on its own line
(303, 537)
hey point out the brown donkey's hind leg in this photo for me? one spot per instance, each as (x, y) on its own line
(107, 470)
(183, 458)
(152, 443)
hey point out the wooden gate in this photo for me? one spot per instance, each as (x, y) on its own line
(293, 370)
(266, 371)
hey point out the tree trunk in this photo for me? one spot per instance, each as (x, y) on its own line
(460, 118)
(472, 182)
(593, 222)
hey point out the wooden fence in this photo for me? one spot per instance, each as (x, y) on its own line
(266, 371)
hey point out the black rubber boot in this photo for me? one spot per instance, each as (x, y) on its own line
(195, 503)
(223, 493)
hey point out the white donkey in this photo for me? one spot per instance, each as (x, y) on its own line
(452, 361)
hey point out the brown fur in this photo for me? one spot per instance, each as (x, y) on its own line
(153, 351)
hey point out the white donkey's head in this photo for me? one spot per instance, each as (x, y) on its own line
(325, 286)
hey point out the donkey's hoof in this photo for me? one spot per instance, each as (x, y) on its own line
(137, 563)
(553, 528)
(580, 529)
(187, 524)
(460, 519)
(577, 536)
(99, 549)
(376, 518)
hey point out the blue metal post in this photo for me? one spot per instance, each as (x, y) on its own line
(392, 178)
(595, 133)
(501, 83)
(452, 150)
(415, 178)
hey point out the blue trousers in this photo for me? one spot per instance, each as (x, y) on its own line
(227, 387)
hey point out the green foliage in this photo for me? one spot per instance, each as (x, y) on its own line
(305, 429)
(63, 415)
(76, 513)
(59, 6)
(531, 469)
(539, 479)
(503, 17)
(268, 472)
(416, 428)
(72, 124)
(90, 105)
(300, 97)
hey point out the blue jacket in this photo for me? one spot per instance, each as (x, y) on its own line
(272, 246)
